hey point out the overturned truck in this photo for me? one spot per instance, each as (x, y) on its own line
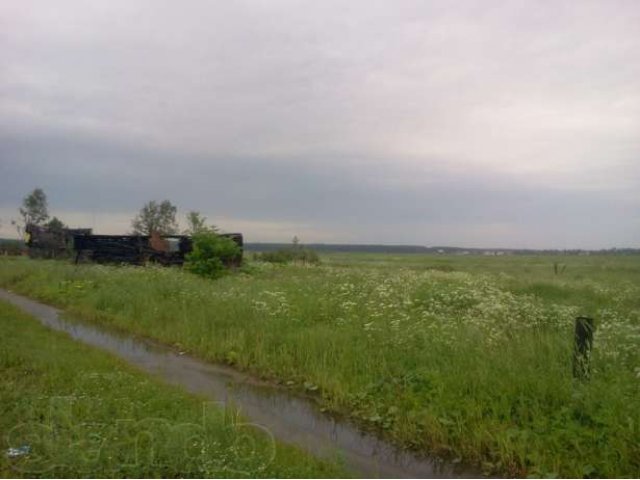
(83, 246)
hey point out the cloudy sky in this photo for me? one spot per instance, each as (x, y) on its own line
(470, 123)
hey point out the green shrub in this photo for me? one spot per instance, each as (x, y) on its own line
(212, 255)
(289, 255)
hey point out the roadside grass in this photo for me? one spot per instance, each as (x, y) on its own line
(78, 412)
(467, 358)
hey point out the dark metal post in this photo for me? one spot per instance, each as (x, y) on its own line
(582, 348)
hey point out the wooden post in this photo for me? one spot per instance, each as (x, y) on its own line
(582, 348)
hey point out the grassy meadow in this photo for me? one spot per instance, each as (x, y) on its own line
(464, 357)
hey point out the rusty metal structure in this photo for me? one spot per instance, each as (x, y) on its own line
(133, 249)
(82, 246)
(45, 242)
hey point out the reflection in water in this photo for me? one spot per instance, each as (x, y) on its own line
(288, 418)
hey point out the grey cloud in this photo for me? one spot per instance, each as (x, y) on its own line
(96, 175)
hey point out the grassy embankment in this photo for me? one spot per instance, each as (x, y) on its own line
(470, 364)
(82, 413)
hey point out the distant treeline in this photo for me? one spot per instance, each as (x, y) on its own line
(11, 247)
(328, 247)
(346, 248)
(15, 247)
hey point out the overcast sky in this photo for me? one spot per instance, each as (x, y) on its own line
(468, 123)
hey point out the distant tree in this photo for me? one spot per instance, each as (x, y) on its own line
(34, 208)
(55, 225)
(19, 226)
(197, 223)
(294, 253)
(156, 217)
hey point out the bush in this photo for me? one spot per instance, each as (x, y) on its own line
(289, 255)
(212, 255)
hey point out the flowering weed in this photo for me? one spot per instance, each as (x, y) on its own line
(465, 357)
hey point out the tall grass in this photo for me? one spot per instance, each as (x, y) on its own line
(468, 365)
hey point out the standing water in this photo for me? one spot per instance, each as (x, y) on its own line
(290, 419)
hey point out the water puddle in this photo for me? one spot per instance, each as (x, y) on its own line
(290, 419)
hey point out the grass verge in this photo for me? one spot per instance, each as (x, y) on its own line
(71, 411)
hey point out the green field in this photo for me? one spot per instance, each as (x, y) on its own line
(463, 357)
(81, 413)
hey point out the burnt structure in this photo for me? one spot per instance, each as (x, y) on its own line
(82, 245)
(134, 249)
(45, 242)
